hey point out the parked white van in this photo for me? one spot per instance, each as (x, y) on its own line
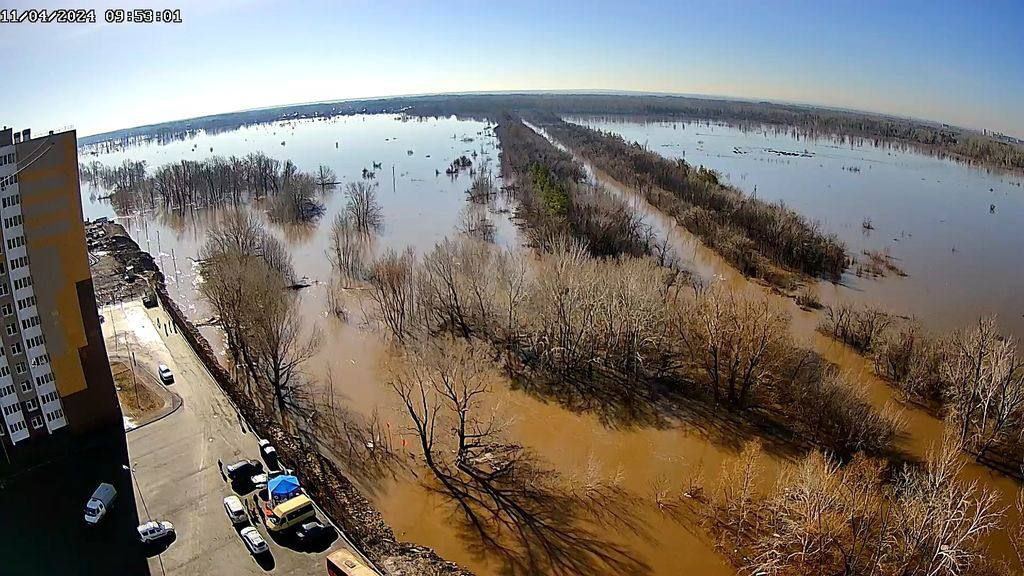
(97, 506)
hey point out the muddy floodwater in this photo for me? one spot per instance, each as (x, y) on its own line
(934, 216)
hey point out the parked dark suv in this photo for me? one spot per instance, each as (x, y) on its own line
(242, 470)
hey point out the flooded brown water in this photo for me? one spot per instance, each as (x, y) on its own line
(420, 209)
(922, 430)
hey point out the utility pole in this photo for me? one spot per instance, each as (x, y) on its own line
(175, 261)
(135, 383)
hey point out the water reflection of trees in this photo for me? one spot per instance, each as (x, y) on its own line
(363, 443)
(506, 502)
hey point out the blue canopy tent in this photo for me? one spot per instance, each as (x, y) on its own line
(283, 487)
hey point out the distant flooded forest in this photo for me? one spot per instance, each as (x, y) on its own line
(983, 148)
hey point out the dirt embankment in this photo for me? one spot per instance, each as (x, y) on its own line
(120, 269)
(323, 480)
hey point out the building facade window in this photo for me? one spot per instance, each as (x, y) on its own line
(7, 309)
(37, 422)
(26, 386)
(12, 329)
(16, 349)
(12, 200)
(31, 404)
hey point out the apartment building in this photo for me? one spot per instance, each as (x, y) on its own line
(55, 378)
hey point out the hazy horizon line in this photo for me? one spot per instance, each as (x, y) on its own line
(595, 91)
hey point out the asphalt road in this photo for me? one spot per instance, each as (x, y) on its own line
(175, 459)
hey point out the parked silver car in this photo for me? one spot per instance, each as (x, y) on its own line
(153, 531)
(166, 376)
(235, 510)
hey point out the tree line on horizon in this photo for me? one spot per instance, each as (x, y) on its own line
(984, 148)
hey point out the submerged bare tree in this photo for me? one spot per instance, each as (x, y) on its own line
(281, 350)
(246, 273)
(297, 200)
(214, 181)
(824, 518)
(393, 279)
(474, 222)
(348, 248)
(326, 179)
(363, 206)
(860, 327)
(739, 342)
(984, 382)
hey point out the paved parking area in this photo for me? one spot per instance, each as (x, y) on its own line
(175, 459)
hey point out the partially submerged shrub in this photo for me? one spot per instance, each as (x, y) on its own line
(859, 327)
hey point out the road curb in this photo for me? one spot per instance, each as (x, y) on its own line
(171, 407)
(176, 402)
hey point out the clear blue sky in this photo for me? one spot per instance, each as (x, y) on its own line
(958, 62)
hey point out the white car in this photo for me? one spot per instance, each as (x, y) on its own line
(235, 510)
(260, 480)
(153, 531)
(253, 541)
(166, 376)
(268, 452)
